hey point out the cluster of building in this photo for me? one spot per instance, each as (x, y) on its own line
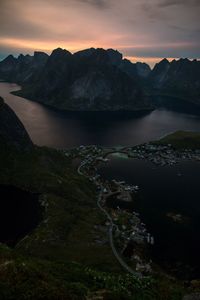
(132, 229)
(125, 187)
(127, 226)
(162, 155)
(141, 266)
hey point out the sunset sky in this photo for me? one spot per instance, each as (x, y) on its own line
(143, 30)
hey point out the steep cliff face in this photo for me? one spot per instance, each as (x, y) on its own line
(92, 79)
(12, 131)
(7, 67)
(159, 73)
(179, 78)
(143, 69)
(137, 71)
(23, 69)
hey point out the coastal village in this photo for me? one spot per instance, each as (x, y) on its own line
(128, 235)
(162, 154)
(158, 154)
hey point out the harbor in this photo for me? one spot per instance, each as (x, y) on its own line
(134, 230)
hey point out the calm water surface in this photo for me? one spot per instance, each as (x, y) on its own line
(60, 130)
(164, 190)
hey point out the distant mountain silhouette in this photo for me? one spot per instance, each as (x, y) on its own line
(22, 69)
(92, 79)
(179, 78)
(98, 79)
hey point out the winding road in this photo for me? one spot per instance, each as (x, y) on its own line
(110, 232)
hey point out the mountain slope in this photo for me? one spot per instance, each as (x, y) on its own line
(12, 131)
(23, 69)
(92, 79)
(177, 79)
(61, 258)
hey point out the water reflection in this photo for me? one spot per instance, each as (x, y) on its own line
(68, 129)
(163, 195)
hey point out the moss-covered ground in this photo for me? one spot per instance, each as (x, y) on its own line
(61, 258)
(181, 140)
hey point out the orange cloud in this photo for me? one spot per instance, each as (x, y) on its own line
(149, 60)
(78, 24)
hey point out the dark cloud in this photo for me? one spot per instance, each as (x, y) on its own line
(166, 3)
(20, 28)
(97, 3)
(101, 4)
(166, 50)
(153, 12)
(144, 28)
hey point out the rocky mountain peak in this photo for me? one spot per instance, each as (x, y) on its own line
(143, 69)
(9, 59)
(59, 52)
(115, 56)
(40, 55)
(85, 53)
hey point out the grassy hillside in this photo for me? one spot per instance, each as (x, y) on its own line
(182, 140)
(60, 258)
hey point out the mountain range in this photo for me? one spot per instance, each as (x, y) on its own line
(179, 79)
(66, 254)
(98, 79)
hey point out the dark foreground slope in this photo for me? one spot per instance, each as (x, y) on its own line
(40, 266)
(12, 131)
(60, 258)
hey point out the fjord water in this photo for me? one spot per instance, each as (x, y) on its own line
(69, 129)
(164, 191)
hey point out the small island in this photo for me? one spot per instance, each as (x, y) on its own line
(177, 218)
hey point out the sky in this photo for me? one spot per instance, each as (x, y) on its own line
(142, 30)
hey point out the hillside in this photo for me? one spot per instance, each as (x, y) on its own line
(89, 80)
(60, 258)
(178, 79)
(182, 140)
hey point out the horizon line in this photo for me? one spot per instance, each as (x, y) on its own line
(151, 60)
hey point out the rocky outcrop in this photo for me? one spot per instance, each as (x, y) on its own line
(7, 67)
(98, 79)
(159, 73)
(179, 78)
(138, 70)
(24, 69)
(12, 131)
(143, 69)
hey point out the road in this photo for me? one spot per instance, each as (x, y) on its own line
(114, 250)
(112, 225)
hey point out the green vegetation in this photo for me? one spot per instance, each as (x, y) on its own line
(25, 277)
(60, 259)
(181, 140)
